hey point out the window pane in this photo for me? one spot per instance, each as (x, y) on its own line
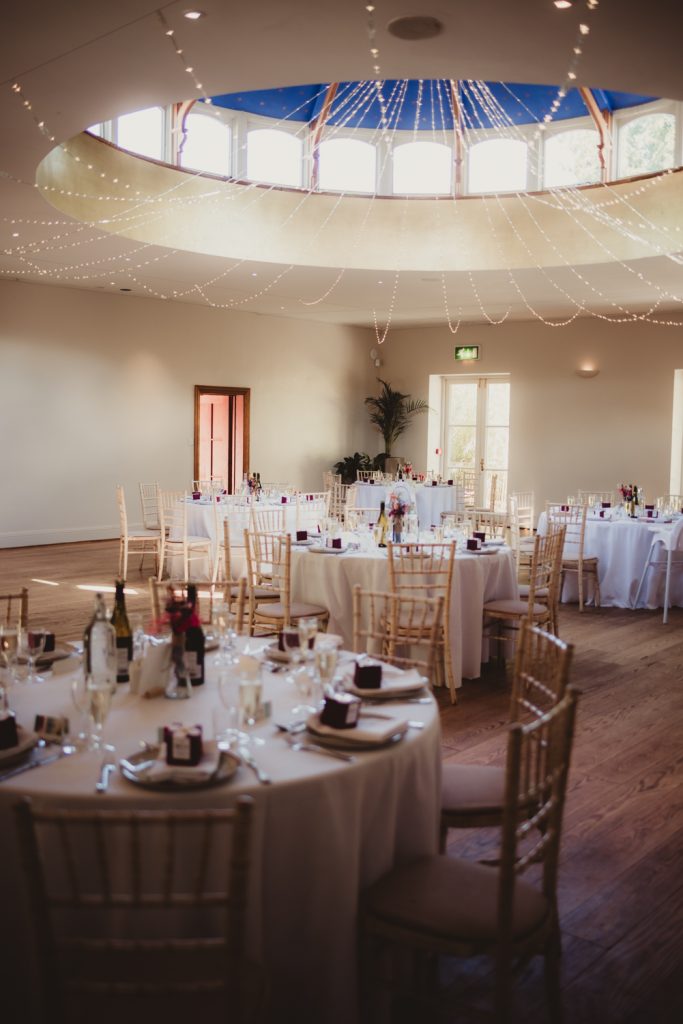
(497, 439)
(142, 132)
(461, 443)
(646, 144)
(97, 129)
(207, 144)
(422, 168)
(274, 157)
(498, 399)
(347, 165)
(571, 158)
(462, 403)
(498, 165)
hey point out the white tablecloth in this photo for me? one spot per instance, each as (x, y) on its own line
(323, 831)
(430, 502)
(621, 547)
(328, 580)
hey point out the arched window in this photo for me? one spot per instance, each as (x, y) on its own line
(646, 144)
(142, 132)
(571, 158)
(274, 157)
(422, 168)
(207, 144)
(497, 165)
(347, 165)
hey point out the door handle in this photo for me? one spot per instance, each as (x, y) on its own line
(481, 465)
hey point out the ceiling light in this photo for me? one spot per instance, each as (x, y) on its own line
(562, 5)
(194, 15)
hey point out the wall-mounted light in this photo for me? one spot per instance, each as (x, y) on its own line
(374, 356)
(587, 370)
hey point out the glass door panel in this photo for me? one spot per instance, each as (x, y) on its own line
(476, 436)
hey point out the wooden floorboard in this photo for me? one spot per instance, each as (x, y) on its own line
(621, 879)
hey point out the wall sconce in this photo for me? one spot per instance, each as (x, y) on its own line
(587, 370)
(374, 356)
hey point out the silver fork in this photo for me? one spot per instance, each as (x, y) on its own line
(106, 768)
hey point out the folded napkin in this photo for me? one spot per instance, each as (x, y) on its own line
(153, 674)
(372, 732)
(396, 682)
(181, 775)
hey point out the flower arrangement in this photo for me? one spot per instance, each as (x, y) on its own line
(408, 469)
(629, 492)
(180, 613)
(398, 507)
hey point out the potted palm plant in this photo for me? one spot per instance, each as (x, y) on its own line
(391, 412)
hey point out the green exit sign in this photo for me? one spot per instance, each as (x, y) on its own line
(466, 353)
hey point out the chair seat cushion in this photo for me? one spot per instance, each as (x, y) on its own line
(472, 787)
(511, 607)
(297, 610)
(452, 899)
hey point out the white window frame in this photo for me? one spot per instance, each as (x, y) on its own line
(621, 118)
(554, 129)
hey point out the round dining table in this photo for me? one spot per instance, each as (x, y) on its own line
(321, 576)
(621, 546)
(429, 500)
(324, 830)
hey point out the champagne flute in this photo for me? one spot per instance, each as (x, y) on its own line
(307, 628)
(99, 702)
(222, 622)
(226, 726)
(292, 646)
(326, 657)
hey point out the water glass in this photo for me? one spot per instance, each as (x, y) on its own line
(32, 644)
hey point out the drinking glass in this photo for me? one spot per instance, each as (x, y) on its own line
(93, 700)
(223, 625)
(307, 629)
(226, 720)
(9, 644)
(326, 657)
(32, 643)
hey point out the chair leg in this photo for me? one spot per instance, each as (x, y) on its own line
(640, 585)
(667, 586)
(553, 953)
(503, 994)
(579, 576)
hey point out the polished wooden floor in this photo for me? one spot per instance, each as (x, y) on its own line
(621, 878)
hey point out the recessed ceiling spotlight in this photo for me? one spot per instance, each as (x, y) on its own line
(194, 15)
(562, 5)
(416, 27)
(125, 289)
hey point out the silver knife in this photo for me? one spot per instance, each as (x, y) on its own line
(31, 764)
(102, 784)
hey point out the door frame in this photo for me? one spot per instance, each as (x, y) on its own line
(482, 380)
(212, 389)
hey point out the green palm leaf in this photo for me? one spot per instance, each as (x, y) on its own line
(391, 412)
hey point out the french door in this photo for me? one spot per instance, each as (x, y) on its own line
(476, 434)
(221, 434)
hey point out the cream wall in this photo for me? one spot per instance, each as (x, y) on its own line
(567, 432)
(97, 389)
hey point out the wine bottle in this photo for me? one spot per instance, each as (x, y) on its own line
(382, 526)
(194, 641)
(124, 635)
(99, 647)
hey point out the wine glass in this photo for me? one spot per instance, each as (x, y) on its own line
(250, 690)
(32, 645)
(92, 699)
(326, 657)
(307, 629)
(226, 719)
(223, 625)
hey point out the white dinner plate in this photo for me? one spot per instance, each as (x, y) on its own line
(481, 551)
(320, 550)
(368, 736)
(138, 769)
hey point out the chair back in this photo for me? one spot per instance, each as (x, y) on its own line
(526, 509)
(356, 517)
(213, 486)
(268, 520)
(422, 570)
(670, 502)
(312, 509)
(173, 514)
(596, 497)
(123, 512)
(269, 557)
(546, 566)
(137, 903)
(573, 518)
(363, 475)
(540, 674)
(537, 766)
(14, 609)
(149, 503)
(400, 629)
(330, 479)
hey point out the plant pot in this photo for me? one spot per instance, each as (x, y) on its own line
(392, 463)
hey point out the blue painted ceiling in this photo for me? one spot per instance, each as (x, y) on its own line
(484, 104)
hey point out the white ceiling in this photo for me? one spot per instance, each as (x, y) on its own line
(79, 63)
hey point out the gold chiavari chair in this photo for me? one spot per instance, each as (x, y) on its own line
(175, 539)
(269, 558)
(596, 497)
(179, 879)
(149, 505)
(311, 510)
(268, 520)
(426, 570)
(363, 475)
(573, 518)
(448, 906)
(380, 621)
(133, 543)
(472, 795)
(15, 609)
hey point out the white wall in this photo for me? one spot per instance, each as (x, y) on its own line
(567, 432)
(97, 389)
